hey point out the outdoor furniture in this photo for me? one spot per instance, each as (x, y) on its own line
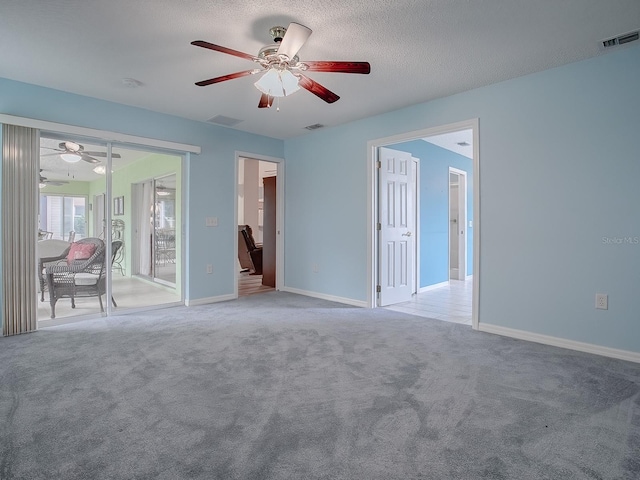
(49, 251)
(78, 276)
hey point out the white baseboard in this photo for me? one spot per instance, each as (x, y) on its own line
(433, 287)
(331, 298)
(561, 342)
(208, 300)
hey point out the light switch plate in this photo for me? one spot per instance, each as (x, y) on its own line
(211, 221)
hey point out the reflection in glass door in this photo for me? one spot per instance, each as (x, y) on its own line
(164, 214)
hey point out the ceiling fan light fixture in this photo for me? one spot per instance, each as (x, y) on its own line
(72, 146)
(278, 83)
(100, 169)
(70, 157)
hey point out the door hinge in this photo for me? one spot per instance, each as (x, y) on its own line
(379, 226)
(378, 164)
(378, 288)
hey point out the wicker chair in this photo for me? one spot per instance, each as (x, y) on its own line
(78, 278)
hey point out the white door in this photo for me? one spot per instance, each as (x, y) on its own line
(396, 226)
(457, 224)
(98, 216)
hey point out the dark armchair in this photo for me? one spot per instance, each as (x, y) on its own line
(82, 274)
(249, 254)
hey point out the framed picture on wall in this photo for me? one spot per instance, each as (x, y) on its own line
(118, 206)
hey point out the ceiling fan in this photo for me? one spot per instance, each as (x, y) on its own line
(283, 71)
(45, 181)
(72, 152)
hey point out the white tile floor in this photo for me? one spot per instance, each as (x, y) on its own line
(129, 293)
(451, 303)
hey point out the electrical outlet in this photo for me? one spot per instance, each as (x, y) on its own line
(209, 268)
(602, 301)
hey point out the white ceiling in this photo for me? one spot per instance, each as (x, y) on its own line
(451, 141)
(418, 49)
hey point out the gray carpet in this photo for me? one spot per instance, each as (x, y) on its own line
(279, 386)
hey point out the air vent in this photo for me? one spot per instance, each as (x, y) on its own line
(621, 39)
(315, 126)
(463, 144)
(226, 121)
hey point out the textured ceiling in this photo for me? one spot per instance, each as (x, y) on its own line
(418, 50)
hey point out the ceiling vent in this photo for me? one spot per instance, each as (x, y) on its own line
(463, 144)
(621, 39)
(315, 126)
(225, 121)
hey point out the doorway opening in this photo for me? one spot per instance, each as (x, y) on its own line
(434, 260)
(259, 212)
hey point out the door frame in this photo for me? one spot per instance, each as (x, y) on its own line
(372, 204)
(462, 220)
(280, 225)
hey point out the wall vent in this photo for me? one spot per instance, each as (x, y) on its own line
(621, 39)
(222, 120)
(315, 126)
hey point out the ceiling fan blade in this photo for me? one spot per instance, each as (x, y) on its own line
(338, 67)
(88, 158)
(224, 78)
(265, 101)
(50, 154)
(102, 154)
(317, 89)
(229, 51)
(293, 40)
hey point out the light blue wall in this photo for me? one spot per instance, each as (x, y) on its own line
(434, 208)
(559, 170)
(210, 175)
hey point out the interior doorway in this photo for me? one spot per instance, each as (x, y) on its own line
(433, 220)
(259, 212)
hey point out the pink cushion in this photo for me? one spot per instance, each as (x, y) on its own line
(80, 251)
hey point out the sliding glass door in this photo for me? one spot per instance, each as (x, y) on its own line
(90, 190)
(67, 181)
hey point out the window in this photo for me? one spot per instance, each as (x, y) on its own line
(63, 214)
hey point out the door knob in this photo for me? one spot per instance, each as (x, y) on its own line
(408, 234)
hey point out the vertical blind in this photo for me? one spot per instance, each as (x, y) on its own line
(20, 163)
